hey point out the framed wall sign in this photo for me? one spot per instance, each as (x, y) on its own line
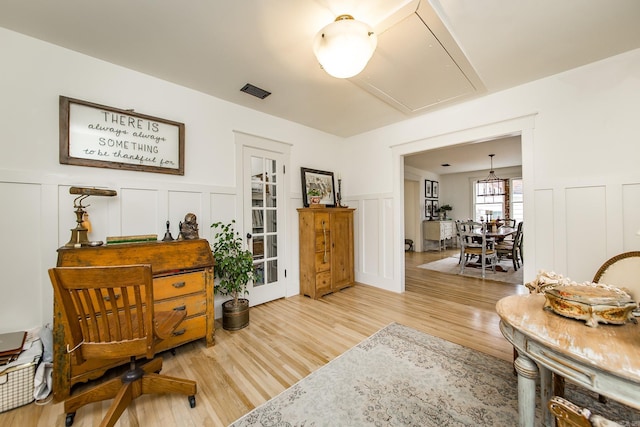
(106, 137)
(427, 188)
(321, 181)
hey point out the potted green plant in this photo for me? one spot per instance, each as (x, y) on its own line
(315, 195)
(234, 269)
(444, 209)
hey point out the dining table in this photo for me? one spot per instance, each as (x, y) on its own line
(497, 236)
(501, 233)
(603, 359)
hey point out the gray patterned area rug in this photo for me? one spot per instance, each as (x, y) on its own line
(450, 266)
(402, 377)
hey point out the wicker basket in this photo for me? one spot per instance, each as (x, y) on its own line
(16, 386)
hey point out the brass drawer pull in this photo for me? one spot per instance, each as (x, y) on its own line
(180, 308)
(178, 285)
(179, 332)
(324, 242)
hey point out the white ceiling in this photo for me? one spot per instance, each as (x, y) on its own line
(431, 53)
(469, 157)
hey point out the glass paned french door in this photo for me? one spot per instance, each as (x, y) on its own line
(263, 204)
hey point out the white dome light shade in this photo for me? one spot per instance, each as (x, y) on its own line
(345, 46)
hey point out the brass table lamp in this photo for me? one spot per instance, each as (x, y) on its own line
(79, 236)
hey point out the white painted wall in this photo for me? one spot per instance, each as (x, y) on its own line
(37, 209)
(456, 189)
(580, 151)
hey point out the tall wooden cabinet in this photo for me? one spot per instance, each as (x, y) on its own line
(182, 280)
(326, 250)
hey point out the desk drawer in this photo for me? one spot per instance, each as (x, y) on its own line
(178, 285)
(193, 304)
(322, 262)
(559, 363)
(321, 221)
(190, 329)
(323, 282)
(322, 241)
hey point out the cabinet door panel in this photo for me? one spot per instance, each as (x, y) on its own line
(342, 249)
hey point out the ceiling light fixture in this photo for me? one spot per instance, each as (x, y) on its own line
(491, 185)
(345, 46)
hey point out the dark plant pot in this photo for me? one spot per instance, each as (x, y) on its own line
(235, 318)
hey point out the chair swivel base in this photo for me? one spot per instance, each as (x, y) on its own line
(123, 390)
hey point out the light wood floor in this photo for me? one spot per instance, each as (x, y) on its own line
(289, 338)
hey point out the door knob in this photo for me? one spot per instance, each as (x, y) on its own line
(249, 235)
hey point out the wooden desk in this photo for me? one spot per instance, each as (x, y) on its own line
(182, 280)
(603, 359)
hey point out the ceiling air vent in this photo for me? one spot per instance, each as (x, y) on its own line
(255, 91)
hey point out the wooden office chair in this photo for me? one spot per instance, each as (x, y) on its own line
(476, 232)
(568, 414)
(108, 314)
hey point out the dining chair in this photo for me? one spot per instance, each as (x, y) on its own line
(474, 241)
(511, 223)
(460, 227)
(512, 248)
(621, 271)
(109, 314)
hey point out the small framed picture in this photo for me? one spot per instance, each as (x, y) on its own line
(318, 182)
(427, 188)
(434, 209)
(427, 209)
(434, 189)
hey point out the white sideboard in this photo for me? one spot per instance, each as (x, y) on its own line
(440, 232)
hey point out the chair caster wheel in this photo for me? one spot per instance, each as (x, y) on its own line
(69, 420)
(192, 401)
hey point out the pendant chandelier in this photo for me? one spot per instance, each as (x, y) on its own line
(491, 185)
(345, 46)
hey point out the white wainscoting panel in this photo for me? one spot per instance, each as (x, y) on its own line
(586, 243)
(371, 236)
(139, 211)
(373, 222)
(357, 236)
(182, 203)
(631, 217)
(544, 225)
(387, 246)
(20, 286)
